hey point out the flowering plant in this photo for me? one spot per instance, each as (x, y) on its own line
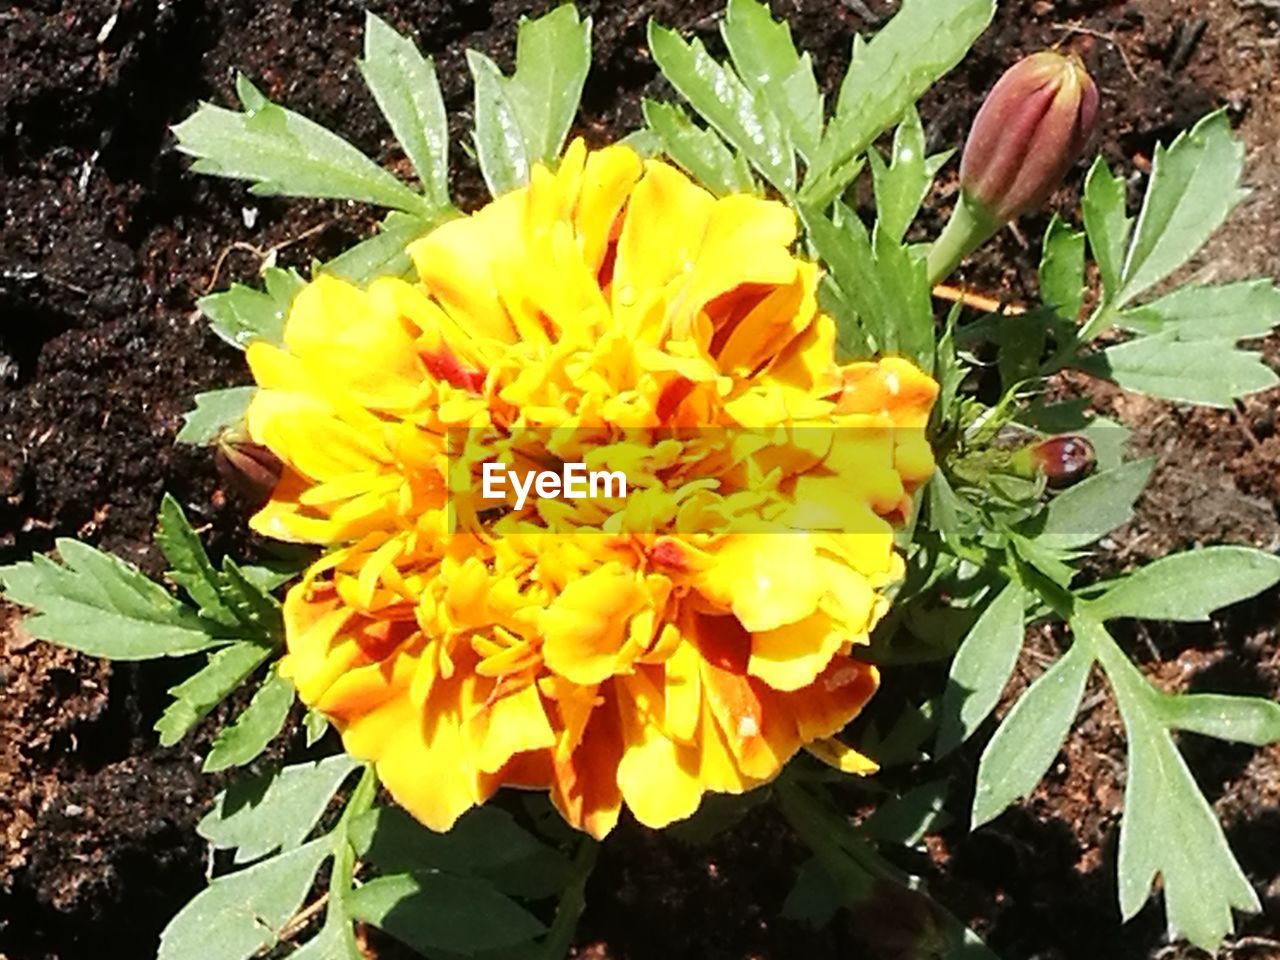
(816, 490)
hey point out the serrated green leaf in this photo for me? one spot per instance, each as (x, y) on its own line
(1210, 372)
(243, 314)
(982, 666)
(257, 726)
(486, 842)
(384, 254)
(1106, 224)
(736, 112)
(886, 76)
(189, 565)
(884, 283)
(499, 139)
(701, 152)
(286, 154)
(766, 59)
(902, 183)
(1031, 735)
(1092, 509)
(1195, 184)
(276, 810)
(215, 411)
(102, 606)
(242, 913)
(1235, 311)
(524, 119)
(404, 85)
(251, 602)
(200, 693)
(553, 56)
(1062, 269)
(1168, 827)
(434, 912)
(1251, 720)
(1188, 587)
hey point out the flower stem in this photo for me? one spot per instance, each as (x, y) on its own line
(969, 228)
(572, 902)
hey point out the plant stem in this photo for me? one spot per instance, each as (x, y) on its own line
(572, 902)
(969, 228)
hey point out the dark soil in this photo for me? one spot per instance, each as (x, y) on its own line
(107, 242)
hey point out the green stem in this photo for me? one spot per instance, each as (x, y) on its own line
(572, 902)
(968, 229)
(1102, 318)
(342, 876)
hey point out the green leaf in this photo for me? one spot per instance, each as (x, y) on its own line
(383, 254)
(886, 76)
(736, 112)
(198, 694)
(485, 843)
(243, 913)
(1194, 186)
(884, 283)
(216, 410)
(553, 56)
(102, 606)
(767, 61)
(701, 152)
(906, 819)
(1251, 720)
(1235, 311)
(1209, 372)
(189, 565)
(499, 139)
(253, 605)
(286, 154)
(1022, 750)
(1189, 586)
(243, 314)
(524, 119)
(257, 726)
(982, 666)
(404, 84)
(274, 811)
(814, 898)
(1092, 509)
(434, 912)
(901, 185)
(316, 725)
(1168, 827)
(1062, 269)
(1106, 224)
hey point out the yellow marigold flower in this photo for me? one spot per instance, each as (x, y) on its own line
(615, 312)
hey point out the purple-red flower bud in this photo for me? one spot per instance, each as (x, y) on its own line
(1032, 128)
(1063, 460)
(249, 468)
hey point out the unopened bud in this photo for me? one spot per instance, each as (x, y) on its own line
(1031, 129)
(247, 467)
(1063, 460)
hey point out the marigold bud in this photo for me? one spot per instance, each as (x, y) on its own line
(249, 468)
(1063, 460)
(1032, 128)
